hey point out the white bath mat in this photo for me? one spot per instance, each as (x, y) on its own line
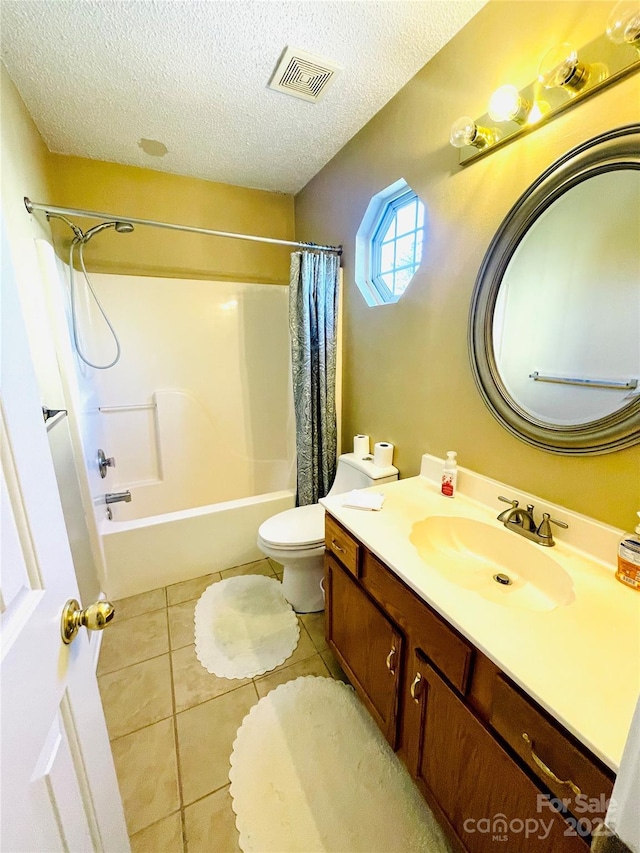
(310, 771)
(244, 626)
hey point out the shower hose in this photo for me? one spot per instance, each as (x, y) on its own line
(74, 317)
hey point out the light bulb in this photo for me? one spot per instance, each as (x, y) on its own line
(507, 105)
(560, 68)
(464, 131)
(623, 26)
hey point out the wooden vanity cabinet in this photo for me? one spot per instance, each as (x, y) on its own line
(487, 799)
(367, 645)
(453, 717)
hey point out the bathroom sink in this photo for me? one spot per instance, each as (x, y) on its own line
(493, 562)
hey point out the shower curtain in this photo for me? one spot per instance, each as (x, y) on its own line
(313, 313)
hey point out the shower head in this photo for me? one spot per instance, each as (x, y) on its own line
(121, 228)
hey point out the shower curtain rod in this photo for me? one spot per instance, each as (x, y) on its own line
(93, 214)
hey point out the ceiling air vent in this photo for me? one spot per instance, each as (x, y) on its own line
(303, 75)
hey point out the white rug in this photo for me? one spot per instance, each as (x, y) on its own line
(310, 771)
(244, 626)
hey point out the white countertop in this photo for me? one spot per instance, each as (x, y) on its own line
(580, 661)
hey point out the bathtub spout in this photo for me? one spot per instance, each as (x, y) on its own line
(116, 497)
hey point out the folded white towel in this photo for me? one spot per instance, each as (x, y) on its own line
(363, 500)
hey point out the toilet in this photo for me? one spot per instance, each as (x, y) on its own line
(295, 537)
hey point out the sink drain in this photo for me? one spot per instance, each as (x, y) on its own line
(503, 579)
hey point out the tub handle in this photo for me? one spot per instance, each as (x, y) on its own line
(105, 462)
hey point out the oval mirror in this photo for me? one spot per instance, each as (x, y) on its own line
(554, 328)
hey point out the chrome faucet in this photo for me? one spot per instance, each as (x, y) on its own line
(522, 521)
(116, 497)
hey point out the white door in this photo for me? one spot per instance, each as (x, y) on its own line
(59, 789)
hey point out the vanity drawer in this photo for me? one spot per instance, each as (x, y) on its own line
(551, 753)
(342, 545)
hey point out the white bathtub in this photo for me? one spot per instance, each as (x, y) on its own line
(146, 553)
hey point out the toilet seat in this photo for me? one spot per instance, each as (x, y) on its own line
(294, 529)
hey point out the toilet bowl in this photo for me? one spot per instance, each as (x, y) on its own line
(295, 537)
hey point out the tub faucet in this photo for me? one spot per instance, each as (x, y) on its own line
(522, 521)
(116, 497)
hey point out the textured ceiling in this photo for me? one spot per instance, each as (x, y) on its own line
(98, 77)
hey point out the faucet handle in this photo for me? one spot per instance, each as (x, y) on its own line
(514, 505)
(544, 531)
(105, 462)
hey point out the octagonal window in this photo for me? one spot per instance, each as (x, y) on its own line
(389, 244)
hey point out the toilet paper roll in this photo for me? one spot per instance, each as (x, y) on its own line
(361, 446)
(383, 454)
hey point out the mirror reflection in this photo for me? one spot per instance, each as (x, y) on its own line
(567, 313)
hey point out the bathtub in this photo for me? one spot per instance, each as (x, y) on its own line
(198, 414)
(146, 553)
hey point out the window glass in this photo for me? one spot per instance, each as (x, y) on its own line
(388, 280)
(406, 218)
(402, 279)
(389, 244)
(396, 246)
(387, 257)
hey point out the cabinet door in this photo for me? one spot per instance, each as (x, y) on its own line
(367, 645)
(491, 804)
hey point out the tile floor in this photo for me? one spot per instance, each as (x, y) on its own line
(172, 724)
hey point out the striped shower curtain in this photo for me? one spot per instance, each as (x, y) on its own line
(313, 314)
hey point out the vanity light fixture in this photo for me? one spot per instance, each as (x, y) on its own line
(565, 76)
(506, 104)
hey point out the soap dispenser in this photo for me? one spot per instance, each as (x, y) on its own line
(629, 559)
(449, 474)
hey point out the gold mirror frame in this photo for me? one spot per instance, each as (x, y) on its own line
(615, 149)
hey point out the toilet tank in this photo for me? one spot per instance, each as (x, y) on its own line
(353, 473)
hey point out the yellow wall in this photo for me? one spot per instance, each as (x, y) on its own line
(147, 194)
(25, 172)
(25, 161)
(406, 369)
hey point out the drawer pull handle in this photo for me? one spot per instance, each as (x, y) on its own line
(336, 547)
(416, 688)
(391, 661)
(547, 770)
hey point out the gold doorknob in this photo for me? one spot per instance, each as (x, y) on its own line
(95, 617)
